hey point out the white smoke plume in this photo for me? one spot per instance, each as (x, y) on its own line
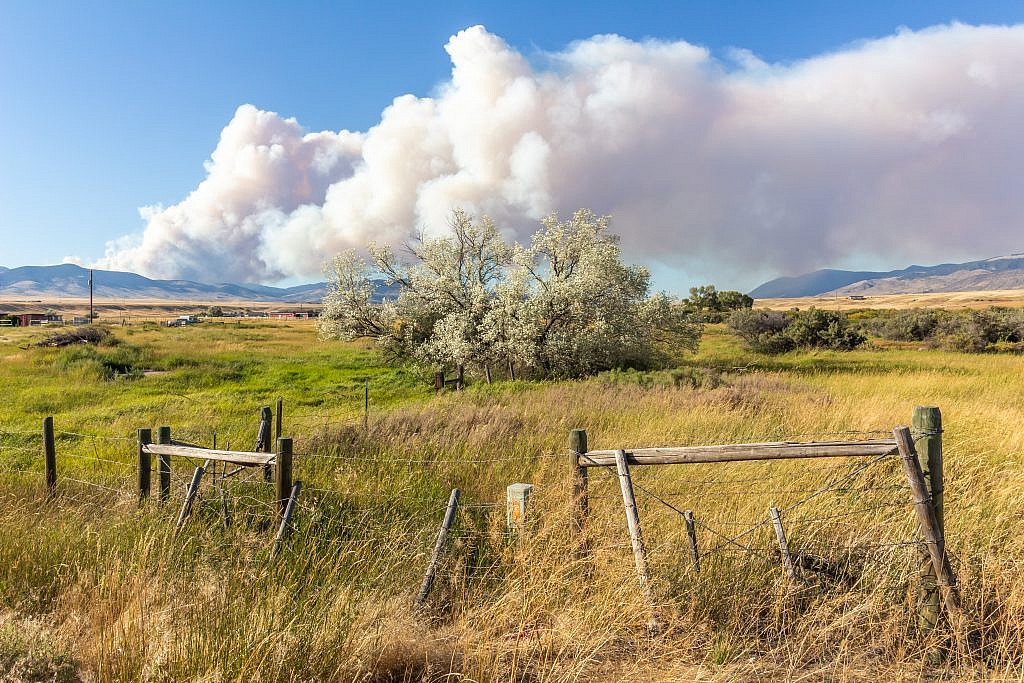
(902, 148)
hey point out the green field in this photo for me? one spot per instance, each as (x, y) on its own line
(94, 586)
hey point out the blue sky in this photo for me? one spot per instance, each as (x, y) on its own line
(107, 107)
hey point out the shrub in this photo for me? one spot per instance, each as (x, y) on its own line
(776, 332)
(815, 328)
(969, 331)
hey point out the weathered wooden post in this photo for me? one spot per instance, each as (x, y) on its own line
(190, 496)
(928, 521)
(580, 502)
(50, 455)
(460, 377)
(163, 463)
(283, 474)
(289, 511)
(145, 437)
(366, 404)
(691, 533)
(654, 625)
(927, 423)
(435, 557)
(517, 498)
(780, 535)
(264, 442)
(438, 382)
(279, 418)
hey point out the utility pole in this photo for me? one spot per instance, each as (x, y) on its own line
(91, 313)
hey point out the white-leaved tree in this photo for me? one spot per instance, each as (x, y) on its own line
(565, 305)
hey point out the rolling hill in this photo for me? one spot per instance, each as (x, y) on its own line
(1001, 272)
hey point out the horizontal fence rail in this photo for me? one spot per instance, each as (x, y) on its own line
(233, 457)
(779, 450)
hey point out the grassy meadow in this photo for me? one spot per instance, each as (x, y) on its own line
(94, 586)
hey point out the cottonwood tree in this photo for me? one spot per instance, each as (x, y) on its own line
(564, 305)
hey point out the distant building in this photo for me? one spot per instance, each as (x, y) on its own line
(857, 297)
(28, 319)
(294, 315)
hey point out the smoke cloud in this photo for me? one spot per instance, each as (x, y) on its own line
(901, 149)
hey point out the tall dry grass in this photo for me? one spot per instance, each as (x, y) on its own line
(106, 586)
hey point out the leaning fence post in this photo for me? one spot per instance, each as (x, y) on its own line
(190, 496)
(580, 502)
(286, 521)
(163, 463)
(691, 532)
(927, 423)
(145, 437)
(946, 580)
(283, 474)
(50, 455)
(435, 557)
(654, 625)
(780, 535)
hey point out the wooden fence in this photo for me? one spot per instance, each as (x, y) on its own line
(271, 460)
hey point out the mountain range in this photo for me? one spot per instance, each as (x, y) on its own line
(1001, 272)
(69, 281)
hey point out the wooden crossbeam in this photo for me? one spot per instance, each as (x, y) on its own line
(234, 457)
(778, 450)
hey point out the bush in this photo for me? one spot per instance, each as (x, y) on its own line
(776, 332)
(968, 331)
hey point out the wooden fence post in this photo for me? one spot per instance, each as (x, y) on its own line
(279, 418)
(263, 441)
(927, 423)
(190, 496)
(163, 463)
(283, 474)
(50, 455)
(517, 498)
(289, 511)
(780, 535)
(691, 532)
(580, 502)
(438, 382)
(145, 437)
(654, 625)
(946, 580)
(435, 557)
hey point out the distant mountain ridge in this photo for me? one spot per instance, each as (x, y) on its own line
(1001, 272)
(71, 281)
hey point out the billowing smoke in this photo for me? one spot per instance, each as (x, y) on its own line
(906, 148)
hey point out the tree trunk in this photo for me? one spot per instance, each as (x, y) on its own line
(511, 371)
(487, 372)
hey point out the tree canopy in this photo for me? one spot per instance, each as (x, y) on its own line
(564, 305)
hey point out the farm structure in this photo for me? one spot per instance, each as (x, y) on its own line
(31, 319)
(294, 315)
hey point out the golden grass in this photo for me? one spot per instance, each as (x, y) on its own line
(99, 582)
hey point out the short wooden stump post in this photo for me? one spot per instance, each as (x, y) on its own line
(516, 503)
